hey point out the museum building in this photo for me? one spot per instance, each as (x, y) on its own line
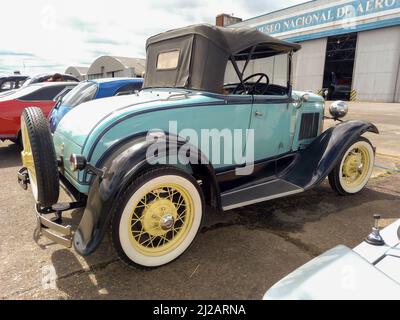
(350, 49)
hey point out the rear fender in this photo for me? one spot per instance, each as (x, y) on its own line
(122, 164)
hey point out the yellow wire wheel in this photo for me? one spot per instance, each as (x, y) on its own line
(160, 219)
(27, 159)
(39, 157)
(355, 168)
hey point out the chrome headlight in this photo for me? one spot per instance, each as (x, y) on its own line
(338, 109)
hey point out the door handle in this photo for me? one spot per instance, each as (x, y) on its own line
(258, 114)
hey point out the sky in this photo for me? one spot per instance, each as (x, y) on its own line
(48, 36)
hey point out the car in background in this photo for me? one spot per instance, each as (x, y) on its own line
(339, 87)
(48, 77)
(8, 83)
(92, 90)
(42, 95)
(368, 272)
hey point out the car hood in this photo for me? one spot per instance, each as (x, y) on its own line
(312, 96)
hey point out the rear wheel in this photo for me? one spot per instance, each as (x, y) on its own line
(158, 217)
(351, 175)
(39, 157)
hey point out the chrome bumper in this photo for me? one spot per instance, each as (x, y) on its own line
(52, 228)
(54, 231)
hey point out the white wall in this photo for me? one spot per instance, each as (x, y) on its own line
(309, 64)
(377, 64)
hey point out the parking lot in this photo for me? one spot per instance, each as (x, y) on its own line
(238, 254)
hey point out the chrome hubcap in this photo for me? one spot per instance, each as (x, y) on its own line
(167, 222)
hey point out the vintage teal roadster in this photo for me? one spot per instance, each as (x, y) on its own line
(154, 209)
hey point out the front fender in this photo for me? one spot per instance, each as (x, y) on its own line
(314, 163)
(122, 163)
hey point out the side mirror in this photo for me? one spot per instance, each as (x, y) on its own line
(338, 109)
(303, 99)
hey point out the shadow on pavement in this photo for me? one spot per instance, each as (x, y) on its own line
(248, 244)
(10, 155)
(290, 214)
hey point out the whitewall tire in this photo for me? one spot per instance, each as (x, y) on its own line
(158, 217)
(355, 168)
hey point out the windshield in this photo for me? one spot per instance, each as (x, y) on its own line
(27, 82)
(83, 92)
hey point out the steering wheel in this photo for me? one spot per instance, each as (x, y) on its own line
(253, 87)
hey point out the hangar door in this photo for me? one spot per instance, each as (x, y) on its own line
(339, 65)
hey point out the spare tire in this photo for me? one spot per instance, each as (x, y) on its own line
(39, 157)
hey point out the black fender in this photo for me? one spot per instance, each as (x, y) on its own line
(314, 163)
(122, 163)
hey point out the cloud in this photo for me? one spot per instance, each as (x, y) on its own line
(80, 25)
(57, 34)
(103, 41)
(98, 53)
(47, 66)
(13, 53)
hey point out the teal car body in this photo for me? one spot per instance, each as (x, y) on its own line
(105, 149)
(95, 132)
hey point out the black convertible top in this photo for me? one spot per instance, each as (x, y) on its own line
(202, 52)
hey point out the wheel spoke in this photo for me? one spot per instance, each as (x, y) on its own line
(177, 229)
(171, 195)
(161, 219)
(149, 241)
(181, 218)
(139, 236)
(180, 202)
(134, 222)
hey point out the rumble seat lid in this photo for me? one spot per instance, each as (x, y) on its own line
(78, 123)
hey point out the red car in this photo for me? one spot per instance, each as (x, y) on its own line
(12, 103)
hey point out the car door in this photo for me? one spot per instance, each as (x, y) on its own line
(270, 120)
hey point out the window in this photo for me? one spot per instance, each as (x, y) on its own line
(83, 92)
(18, 84)
(95, 76)
(62, 93)
(43, 94)
(16, 94)
(8, 85)
(128, 89)
(168, 60)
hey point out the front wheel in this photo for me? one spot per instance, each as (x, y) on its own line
(351, 175)
(157, 218)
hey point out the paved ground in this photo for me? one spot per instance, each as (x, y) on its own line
(238, 255)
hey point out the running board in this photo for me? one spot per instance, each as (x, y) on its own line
(258, 193)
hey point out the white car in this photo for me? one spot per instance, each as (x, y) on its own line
(371, 271)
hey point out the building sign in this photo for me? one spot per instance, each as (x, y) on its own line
(352, 10)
